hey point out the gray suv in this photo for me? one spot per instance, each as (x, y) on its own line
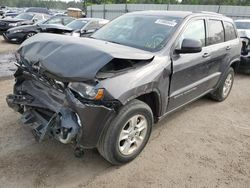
(107, 91)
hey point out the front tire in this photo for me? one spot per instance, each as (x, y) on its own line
(126, 136)
(224, 89)
(31, 34)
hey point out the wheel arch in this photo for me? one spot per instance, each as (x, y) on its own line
(152, 99)
(235, 64)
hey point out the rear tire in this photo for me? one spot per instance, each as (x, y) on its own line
(224, 89)
(127, 134)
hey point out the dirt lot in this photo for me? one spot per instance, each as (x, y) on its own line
(206, 144)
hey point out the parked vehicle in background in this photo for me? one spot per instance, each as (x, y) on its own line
(243, 28)
(12, 12)
(38, 10)
(2, 10)
(83, 27)
(106, 91)
(21, 33)
(21, 19)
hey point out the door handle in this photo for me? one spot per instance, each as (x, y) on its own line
(205, 55)
(228, 48)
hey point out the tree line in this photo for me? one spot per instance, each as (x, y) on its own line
(52, 4)
(64, 5)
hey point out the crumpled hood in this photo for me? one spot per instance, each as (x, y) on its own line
(55, 26)
(75, 59)
(23, 27)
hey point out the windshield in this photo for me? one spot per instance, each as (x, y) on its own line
(147, 32)
(242, 25)
(25, 16)
(77, 24)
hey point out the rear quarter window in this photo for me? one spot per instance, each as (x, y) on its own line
(229, 31)
(215, 32)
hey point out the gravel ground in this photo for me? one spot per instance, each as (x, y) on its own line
(7, 58)
(205, 144)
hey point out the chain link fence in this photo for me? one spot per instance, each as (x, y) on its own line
(111, 11)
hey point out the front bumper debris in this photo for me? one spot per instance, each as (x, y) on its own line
(58, 114)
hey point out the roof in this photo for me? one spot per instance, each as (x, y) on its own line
(178, 14)
(90, 19)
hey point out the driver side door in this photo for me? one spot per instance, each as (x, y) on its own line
(190, 73)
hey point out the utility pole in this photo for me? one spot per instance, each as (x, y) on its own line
(126, 6)
(104, 9)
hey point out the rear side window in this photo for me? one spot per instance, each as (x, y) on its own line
(215, 32)
(194, 30)
(229, 31)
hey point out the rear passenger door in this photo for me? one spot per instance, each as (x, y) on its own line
(218, 51)
(232, 41)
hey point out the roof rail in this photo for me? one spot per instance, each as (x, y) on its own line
(208, 12)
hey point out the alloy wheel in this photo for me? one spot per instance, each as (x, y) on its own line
(132, 134)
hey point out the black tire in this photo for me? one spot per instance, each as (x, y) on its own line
(30, 34)
(109, 143)
(218, 94)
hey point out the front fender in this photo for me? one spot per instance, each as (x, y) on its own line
(153, 77)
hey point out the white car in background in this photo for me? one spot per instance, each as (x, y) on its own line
(243, 27)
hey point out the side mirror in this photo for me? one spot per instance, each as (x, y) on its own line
(190, 46)
(35, 20)
(87, 31)
(83, 31)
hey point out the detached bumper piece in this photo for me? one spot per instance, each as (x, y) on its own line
(39, 124)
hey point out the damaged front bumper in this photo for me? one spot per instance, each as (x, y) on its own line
(60, 115)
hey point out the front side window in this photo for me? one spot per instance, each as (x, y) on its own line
(67, 20)
(77, 24)
(92, 25)
(38, 17)
(215, 32)
(56, 20)
(196, 31)
(229, 31)
(147, 32)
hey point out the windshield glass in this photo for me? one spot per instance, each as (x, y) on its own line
(147, 32)
(77, 24)
(25, 16)
(242, 25)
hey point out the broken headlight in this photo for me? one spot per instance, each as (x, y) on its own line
(86, 91)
